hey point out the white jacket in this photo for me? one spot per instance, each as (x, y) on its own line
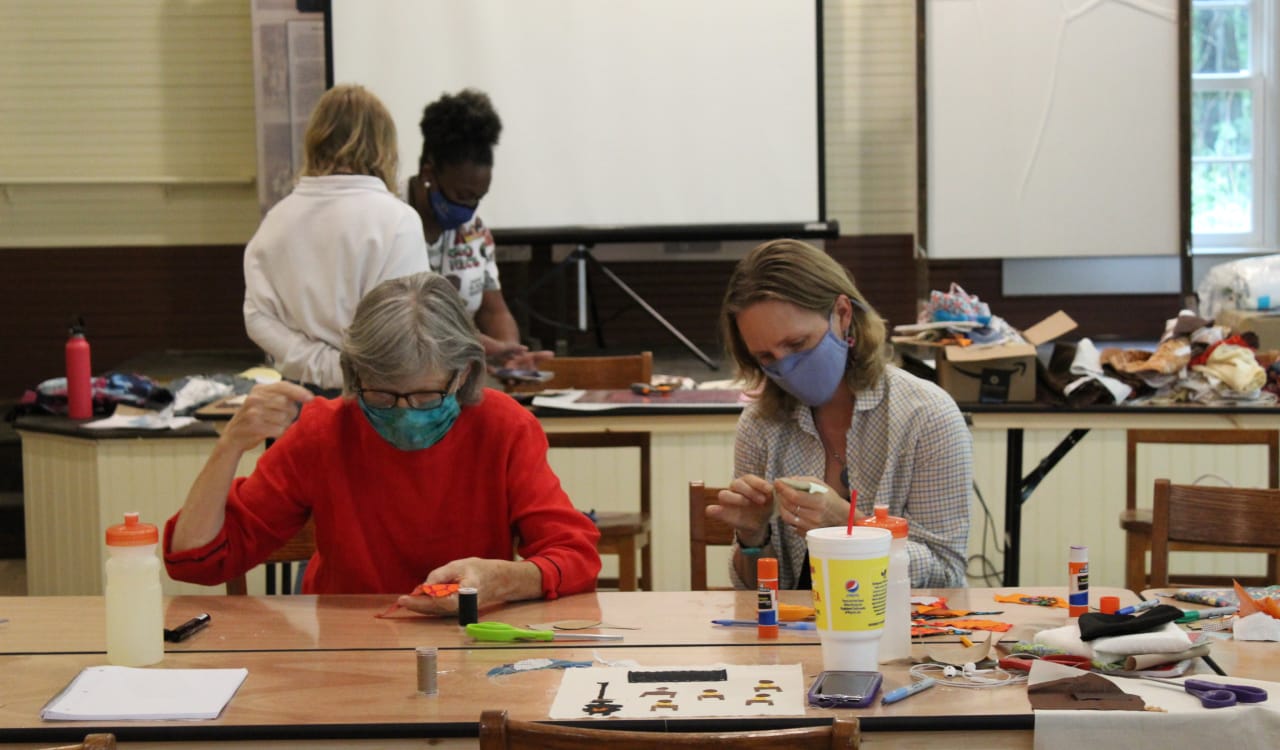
(316, 253)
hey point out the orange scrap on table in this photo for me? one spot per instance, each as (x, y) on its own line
(433, 590)
(1041, 601)
(992, 625)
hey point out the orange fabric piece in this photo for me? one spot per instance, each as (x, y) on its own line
(1249, 605)
(795, 612)
(434, 590)
(992, 625)
(1042, 601)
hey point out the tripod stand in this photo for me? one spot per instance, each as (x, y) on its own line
(580, 258)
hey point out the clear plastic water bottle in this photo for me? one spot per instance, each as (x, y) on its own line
(895, 641)
(135, 616)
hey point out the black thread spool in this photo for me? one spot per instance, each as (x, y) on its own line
(468, 609)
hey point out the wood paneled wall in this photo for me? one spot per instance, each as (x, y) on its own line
(137, 300)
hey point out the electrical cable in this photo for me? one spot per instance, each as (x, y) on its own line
(967, 676)
(989, 574)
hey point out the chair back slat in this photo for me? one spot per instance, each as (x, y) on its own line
(704, 532)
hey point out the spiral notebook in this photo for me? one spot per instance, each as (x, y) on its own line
(130, 693)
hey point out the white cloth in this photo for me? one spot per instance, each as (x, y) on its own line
(1088, 365)
(1169, 639)
(316, 253)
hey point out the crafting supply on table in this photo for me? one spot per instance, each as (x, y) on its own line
(1217, 695)
(468, 611)
(767, 597)
(1191, 615)
(919, 686)
(794, 612)
(1135, 608)
(1109, 605)
(501, 632)
(752, 623)
(426, 658)
(1078, 581)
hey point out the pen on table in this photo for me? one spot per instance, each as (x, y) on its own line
(893, 696)
(187, 629)
(1148, 604)
(753, 623)
(1191, 615)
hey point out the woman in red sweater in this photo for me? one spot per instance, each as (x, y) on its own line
(416, 474)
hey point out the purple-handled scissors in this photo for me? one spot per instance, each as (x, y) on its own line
(1215, 695)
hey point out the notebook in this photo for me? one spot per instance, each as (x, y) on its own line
(124, 693)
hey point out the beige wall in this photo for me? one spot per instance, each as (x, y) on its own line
(131, 122)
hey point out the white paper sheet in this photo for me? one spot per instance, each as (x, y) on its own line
(123, 693)
(770, 690)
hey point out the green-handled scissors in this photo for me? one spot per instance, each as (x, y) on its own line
(500, 631)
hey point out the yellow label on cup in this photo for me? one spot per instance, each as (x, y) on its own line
(855, 591)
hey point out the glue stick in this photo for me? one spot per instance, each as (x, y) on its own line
(1078, 581)
(767, 597)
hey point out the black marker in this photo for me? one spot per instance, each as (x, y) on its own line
(187, 629)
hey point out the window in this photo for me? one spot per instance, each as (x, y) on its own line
(1233, 90)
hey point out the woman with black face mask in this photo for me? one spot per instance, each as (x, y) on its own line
(417, 474)
(833, 412)
(459, 133)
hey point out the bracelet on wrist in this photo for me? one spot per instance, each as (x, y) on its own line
(756, 549)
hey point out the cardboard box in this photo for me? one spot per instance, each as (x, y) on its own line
(1265, 324)
(999, 374)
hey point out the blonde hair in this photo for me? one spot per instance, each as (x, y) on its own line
(802, 275)
(351, 132)
(411, 325)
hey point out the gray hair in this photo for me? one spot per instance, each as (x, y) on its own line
(409, 326)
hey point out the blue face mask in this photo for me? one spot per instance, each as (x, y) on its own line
(413, 429)
(813, 375)
(449, 215)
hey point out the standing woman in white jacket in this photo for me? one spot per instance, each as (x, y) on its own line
(341, 232)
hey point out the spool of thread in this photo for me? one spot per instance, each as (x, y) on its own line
(468, 609)
(1109, 604)
(1078, 581)
(427, 671)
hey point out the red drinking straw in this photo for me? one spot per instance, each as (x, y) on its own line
(853, 504)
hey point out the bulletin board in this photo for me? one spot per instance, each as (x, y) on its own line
(1053, 128)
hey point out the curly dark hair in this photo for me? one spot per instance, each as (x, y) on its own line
(461, 127)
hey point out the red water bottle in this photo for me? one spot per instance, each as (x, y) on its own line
(79, 374)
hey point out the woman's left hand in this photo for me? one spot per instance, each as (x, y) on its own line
(495, 581)
(803, 511)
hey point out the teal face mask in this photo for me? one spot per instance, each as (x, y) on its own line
(413, 429)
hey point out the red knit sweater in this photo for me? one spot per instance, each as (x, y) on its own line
(385, 518)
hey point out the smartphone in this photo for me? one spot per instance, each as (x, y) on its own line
(844, 689)
(524, 376)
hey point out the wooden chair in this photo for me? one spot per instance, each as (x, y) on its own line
(497, 732)
(1225, 519)
(593, 373)
(1136, 521)
(621, 534)
(704, 531)
(91, 742)
(298, 549)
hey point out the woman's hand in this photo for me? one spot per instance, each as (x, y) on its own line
(267, 412)
(746, 506)
(803, 511)
(495, 581)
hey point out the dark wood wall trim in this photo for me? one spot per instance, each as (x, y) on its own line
(137, 300)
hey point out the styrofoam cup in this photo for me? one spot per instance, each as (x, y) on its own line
(850, 593)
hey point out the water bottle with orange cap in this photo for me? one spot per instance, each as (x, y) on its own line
(135, 617)
(895, 641)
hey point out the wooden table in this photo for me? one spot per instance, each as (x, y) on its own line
(323, 668)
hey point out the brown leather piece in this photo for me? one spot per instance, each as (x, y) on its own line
(1089, 692)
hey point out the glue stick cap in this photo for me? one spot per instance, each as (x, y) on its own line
(1109, 604)
(132, 533)
(896, 525)
(767, 568)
